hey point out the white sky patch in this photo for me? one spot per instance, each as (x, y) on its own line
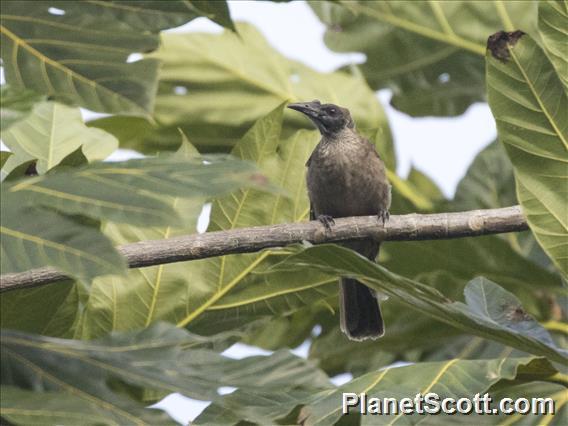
(56, 11)
(225, 390)
(182, 409)
(302, 350)
(133, 57)
(123, 155)
(341, 379)
(203, 220)
(240, 351)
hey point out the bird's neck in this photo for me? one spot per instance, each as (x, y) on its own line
(343, 136)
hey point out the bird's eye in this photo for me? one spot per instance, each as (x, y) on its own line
(332, 110)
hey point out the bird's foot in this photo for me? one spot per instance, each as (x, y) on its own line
(327, 221)
(383, 216)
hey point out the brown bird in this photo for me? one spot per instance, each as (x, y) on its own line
(346, 177)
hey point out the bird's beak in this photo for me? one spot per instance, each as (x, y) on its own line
(311, 109)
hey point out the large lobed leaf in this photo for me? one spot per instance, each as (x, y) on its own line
(43, 217)
(489, 311)
(215, 86)
(456, 379)
(529, 104)
(48, 310)
(78, 52)
(50, 133)
(54, 381)
(103, 379)
(143, 294)
(490, 183)
(428, 52)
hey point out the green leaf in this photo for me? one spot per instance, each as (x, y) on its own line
(488, 182)
(552, 18)
(450, 379)
(425, 185)
(27, 168)
(217, 11)
(80, 53)
(281, 331)
(260, 408)
(429, 53)
(37, 228)
(78, 57)
(148, 15)
(490, 311)
(52, 132)
(27, 407)
(216, 86)
(452, 263)
(4, 157)
(110, 373)
(50, 310)
(528, 102)
(75, 159)
(410, 335)
(468, 347)
(132, 189)
(151, 293)
(15, 105)
(33, 237)
(538, 391)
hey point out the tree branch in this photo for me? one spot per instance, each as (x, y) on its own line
(411, 227)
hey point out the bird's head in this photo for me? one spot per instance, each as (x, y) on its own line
(330, 119)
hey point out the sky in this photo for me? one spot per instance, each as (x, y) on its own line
(443, 148)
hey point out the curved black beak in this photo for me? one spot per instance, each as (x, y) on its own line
(311, 109)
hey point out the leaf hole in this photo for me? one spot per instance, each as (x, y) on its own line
(295, 77)
(133, 57)
(444, 78)
(56, 11)
(224, 390)
(316, 330)
(180, 90)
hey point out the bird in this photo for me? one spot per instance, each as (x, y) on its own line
(346, 177)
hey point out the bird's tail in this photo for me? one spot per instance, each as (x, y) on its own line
(361, 317)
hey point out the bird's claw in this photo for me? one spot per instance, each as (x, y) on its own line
(383, 215)
(327, 221)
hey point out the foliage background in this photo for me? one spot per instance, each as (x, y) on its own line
(213, 89)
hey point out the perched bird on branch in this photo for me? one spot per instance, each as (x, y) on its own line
(346, 177)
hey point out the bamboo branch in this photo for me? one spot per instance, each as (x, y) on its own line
(411, 227)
